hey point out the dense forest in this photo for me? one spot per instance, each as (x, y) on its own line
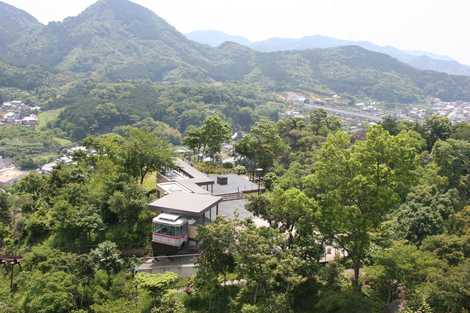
(395, 200)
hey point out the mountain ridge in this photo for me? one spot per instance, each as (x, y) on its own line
(118, 40)
(13, 23)
(418, 59)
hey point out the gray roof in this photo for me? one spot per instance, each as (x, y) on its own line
(189, 170)
(182, 185)
(185, 203)
(235, 183)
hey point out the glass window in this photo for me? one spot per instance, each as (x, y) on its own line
(168, 230)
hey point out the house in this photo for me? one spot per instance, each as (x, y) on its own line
(181, 213)
(10, 117)
(30, 120)
(186, 199)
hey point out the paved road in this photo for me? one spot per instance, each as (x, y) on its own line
(367, 116)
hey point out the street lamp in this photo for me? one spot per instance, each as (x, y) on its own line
(259, 174)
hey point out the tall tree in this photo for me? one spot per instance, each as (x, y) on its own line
(356, 186)
(436, 127)
(209, 138)
(262, 146)
(453, 158)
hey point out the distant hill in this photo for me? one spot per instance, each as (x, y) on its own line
(118, 40)
(215, 38)
(418, 59)
(14, 23)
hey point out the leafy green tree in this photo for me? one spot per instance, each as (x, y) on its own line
(436, 128)
(115, 306)
(266, 267)
(215, 132)
(321, 123)
(156, 284)
(208, 139)
(391, 124)
(171, 303)
(401, 265)
(459, 223)
(262, 146)
(461, 131)
(76, 226)
(449, 290)
(292, 130)
(5, 214)
(52, 292)
(137, 152)
(194, 140)
(454, 249)
(291, 211)
(345, 301)
(453, 158)
(217, 241)
(107, 257)
(425, 213)
(356, 186)
(144, 153)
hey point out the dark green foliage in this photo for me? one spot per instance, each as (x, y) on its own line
(425, 213)
(262, 146)
(453, 158)
(400, 266)
(346, 302)
(98, 108)
(208, 139)
(449, 289)
(436, 128)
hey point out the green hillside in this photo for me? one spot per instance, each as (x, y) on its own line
(13, 24)
(118, 40)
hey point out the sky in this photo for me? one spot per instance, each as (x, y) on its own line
(437, 26)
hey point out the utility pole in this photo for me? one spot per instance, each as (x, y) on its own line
(11, 261)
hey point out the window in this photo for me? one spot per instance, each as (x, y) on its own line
(168, 230)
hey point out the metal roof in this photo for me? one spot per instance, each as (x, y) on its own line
(189, 170)
(182, 185)
(185, 203)
(169, 219)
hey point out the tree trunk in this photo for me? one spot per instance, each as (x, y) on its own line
(357, 269)
(142, 176)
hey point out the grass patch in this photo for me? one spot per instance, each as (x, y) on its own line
(150, 181)
(45, 158)
(47, 117)
(62, 141)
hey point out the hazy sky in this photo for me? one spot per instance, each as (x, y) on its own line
(439, 26)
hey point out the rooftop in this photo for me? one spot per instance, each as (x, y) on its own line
(183, 185)
(235, 183)
(169, 219)
(189, 170)
(185, 203)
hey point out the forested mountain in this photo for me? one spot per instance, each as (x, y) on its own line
(13, 24)
(114, 39)
(418, 59)
(118, 40)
